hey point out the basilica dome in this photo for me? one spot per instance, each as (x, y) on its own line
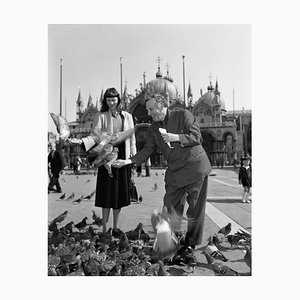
(212, 98)
(164, 86)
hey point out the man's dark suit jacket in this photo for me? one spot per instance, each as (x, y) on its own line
(187, 161)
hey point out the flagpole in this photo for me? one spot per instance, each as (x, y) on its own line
(60, 109)
(121, 62)
(183, 80)
(233, 102)
(60, 90)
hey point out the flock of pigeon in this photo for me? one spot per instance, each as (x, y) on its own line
(240, 239)
(82, 250)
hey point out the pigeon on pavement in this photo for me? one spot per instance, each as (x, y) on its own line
(71, 196)
(82, 224)
(213, 250)
(97, 220)
(226, 229)
(60, 218)
(162, 271)
(219, 269)
(233, 239)
(78, 200)
(62, 196)
(90, 195)
(67, 228)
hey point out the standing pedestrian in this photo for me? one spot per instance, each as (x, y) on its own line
(78, 163)
(245, 178)
(111, 192)
(188, 165)
(55, 165)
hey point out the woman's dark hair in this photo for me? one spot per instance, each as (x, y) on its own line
(110, 92)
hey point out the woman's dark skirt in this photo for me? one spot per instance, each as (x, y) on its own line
(113, 192)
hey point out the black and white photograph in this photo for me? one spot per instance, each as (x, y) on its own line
(149, 139)
(150, 150)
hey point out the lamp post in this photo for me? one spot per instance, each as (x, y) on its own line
(121, 63)
(183, 80)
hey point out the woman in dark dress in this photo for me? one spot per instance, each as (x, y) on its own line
(113, 192)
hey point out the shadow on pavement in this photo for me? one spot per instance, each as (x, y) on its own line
(224, 200)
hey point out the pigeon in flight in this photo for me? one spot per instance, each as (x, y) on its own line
(62, 126)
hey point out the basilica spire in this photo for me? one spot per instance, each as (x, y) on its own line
(158, 73)
(79, 106)
(144, 79)
(90, 101)
(217, 86)
(189, 93)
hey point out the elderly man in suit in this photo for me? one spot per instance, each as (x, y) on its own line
(177, 134)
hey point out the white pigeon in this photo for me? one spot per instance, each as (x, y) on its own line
(166, 241)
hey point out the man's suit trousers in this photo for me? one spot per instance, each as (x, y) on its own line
(196, 194)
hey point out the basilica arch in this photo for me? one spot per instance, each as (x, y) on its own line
(208, 143)
(229, 138)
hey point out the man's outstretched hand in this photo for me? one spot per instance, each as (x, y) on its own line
(119, 163)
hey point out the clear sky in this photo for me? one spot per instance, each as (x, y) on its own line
(91, 60)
